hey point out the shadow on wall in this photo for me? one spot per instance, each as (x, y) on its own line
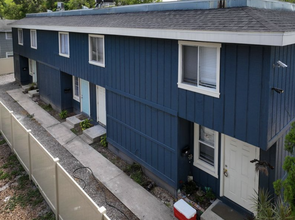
(6, 65)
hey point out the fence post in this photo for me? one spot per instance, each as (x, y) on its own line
(30, 156)
(102, 211)
(12, 130)
(1, 106)
(56, 160)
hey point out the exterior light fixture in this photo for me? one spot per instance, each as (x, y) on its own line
(277, 90)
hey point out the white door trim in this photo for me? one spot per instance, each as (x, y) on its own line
(222, 163)
(221, 190)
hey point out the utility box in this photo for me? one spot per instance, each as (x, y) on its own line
(184, 211)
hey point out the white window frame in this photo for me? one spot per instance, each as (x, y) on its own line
(59, 46)
(75, 97)
(9, 54)
(33, 32)
(214, 92)
(6, 35)
(20, 38)
(101, 64)
(201, 164)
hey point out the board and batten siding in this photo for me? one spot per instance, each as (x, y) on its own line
(140, 77)
(281, 106)
(49, 83)
(241, 110)
(78, 62)
(144, 104)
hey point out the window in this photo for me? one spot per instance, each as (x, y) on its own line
(8, 35)
(9, 54)
(64, 46)
(76, 88)
(20, 36)
(199, 65)
(206, 149)
(96, 50)
(33, 34)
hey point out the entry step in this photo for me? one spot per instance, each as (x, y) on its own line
(94, 133)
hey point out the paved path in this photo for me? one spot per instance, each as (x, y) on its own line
(136, 198)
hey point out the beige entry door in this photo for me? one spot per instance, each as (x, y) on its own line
(240, 177)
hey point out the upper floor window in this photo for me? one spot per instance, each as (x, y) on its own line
(8, 35)
(96, 50)
(20, 36)
(64, 44)
(199, 67)
(206, 149)
(33, 35)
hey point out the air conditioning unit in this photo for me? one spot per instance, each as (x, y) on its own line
(60, 6)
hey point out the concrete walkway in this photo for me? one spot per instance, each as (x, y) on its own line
(136, 198)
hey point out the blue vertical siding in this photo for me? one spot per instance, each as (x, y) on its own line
(48, 52)
(16, 64)
(266, 182)
(49, 83)
(145, 143)
(21, 71)
(281, 106)
(147, 115)
(240, 111)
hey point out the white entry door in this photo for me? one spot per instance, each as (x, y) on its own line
(101, 105)
(240, 177)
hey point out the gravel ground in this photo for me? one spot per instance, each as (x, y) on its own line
(100, 195)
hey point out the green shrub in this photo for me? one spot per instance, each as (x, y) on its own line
(265, 209)
(103, 140)
(63, 114)
(135, 172)
(85, 124)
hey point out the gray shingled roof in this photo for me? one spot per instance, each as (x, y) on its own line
(242, 19)
(4, 25)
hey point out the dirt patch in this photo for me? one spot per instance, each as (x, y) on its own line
(19, 198)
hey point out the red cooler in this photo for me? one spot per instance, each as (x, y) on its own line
(184, 211)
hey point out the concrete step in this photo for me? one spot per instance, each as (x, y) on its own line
(33, 93)
(73, 121)
(94, 132)
(26, 87)
(224, 210)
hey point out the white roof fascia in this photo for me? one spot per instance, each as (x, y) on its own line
(255, 38)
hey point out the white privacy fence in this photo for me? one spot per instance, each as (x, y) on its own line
(65, 197)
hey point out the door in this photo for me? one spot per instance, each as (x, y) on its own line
(240, 177)
(33, 70)
(101, 105)
(85, 97)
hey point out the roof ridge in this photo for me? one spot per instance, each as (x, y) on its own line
(256, 14)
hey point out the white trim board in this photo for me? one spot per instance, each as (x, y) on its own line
(255, 38)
